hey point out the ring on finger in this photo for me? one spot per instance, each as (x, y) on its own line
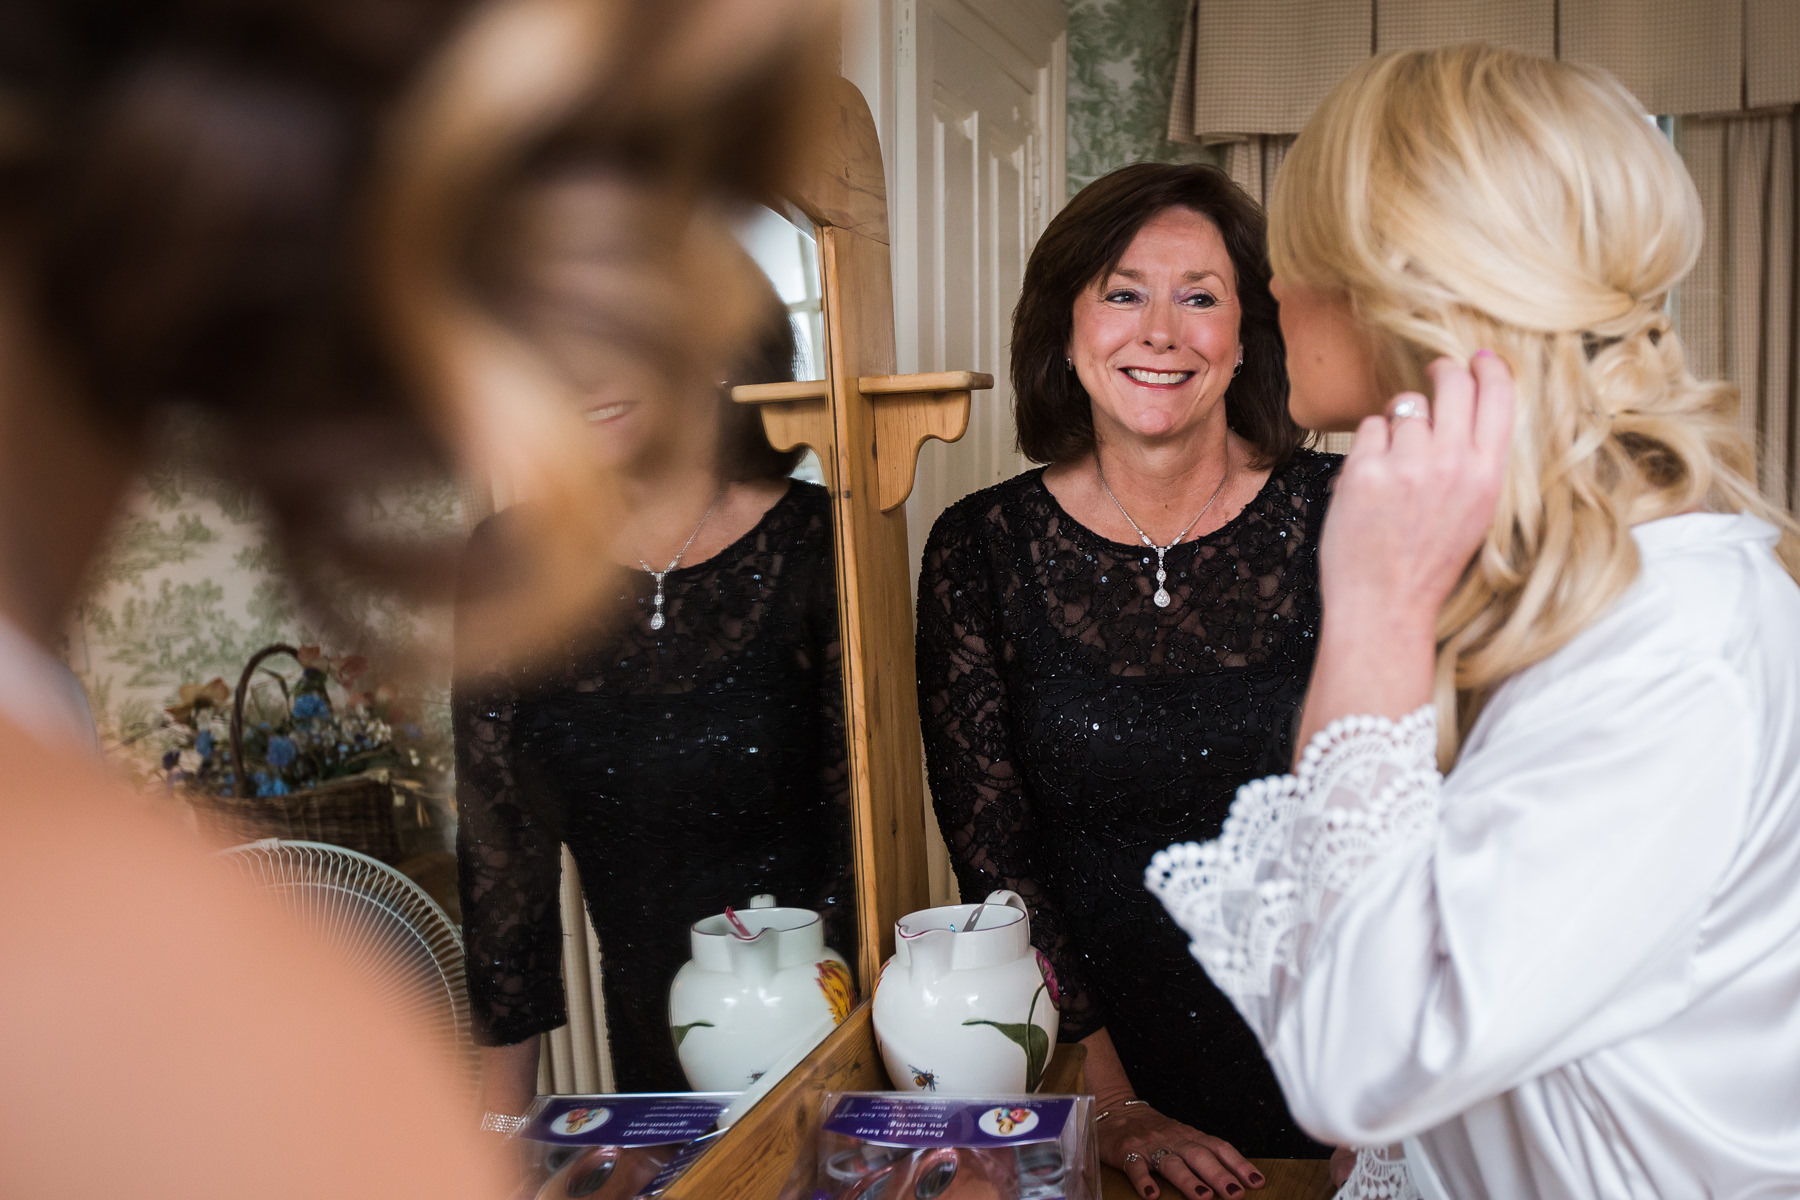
(1156, 1157)
(1408, 409)
(1132, 1157)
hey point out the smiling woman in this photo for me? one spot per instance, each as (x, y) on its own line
(1109, 645)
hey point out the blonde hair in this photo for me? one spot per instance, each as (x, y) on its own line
(1468, 198)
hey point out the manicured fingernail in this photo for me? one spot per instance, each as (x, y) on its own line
(1256, 1179)
(1232, 1189)
(1484, 354)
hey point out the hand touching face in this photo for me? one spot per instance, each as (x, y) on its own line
(1155, 341)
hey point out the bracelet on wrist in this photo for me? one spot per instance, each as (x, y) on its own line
(1107, 1112)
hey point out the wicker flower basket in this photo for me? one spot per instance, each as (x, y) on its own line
(358, 812)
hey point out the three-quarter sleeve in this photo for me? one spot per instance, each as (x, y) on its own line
(983, 807)
(509, 852)
(1408, 945)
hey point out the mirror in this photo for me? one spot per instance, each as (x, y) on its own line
(688, 751)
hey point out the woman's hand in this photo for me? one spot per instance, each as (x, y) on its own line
(1417, 493)
(1197, 1165)
(1410, 508)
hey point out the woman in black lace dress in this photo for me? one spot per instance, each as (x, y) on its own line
(689, 752)
(1110, 645)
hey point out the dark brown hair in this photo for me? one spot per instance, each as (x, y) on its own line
(1084, 242)
(745, 451)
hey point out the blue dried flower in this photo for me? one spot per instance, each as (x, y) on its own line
(281, 752)
(270, 787)
(203, 745)
(309, 705)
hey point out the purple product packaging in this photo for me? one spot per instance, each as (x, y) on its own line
(614, 1147)
(912, 1146)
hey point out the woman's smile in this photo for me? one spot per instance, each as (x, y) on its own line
(608, 412)
(1157, 379)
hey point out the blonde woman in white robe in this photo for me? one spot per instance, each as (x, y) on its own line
(1526, 918)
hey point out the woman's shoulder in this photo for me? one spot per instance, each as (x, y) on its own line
(993, 509)
(971, 529)
(1309, 471)
(1710, 597)
(495, 549)
(801, 511)
(806, 499)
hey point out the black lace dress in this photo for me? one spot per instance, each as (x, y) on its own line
(1073, 729)
(686, 769)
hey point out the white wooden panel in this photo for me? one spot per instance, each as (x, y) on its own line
(981, 87)
(978, 171)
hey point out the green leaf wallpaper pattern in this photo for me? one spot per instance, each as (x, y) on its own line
(1121, 70)
(189, 586)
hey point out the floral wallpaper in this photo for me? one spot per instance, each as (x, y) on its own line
(188, 589)
(1121, 69)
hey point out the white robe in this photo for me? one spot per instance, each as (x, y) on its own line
(1571, 968)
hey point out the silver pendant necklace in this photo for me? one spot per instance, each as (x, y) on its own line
(656, 618)
(1162, 593)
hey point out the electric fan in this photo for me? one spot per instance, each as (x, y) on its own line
(384, 925)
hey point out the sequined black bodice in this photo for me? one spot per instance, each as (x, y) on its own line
(685, 768)
(1073, 729)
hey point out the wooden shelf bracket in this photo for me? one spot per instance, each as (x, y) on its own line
(908, 409)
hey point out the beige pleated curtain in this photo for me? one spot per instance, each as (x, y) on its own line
(1250, 72)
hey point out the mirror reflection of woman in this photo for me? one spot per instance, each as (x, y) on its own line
(688, 749)
(1528, 904)
(1110, 645)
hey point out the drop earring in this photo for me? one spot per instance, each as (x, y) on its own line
(1068, 364)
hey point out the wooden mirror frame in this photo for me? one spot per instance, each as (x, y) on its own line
(866, 424)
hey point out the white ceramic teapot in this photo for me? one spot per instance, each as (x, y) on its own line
(964, 1006)
(760, 979)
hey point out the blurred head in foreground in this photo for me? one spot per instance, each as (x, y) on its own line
(276, 211)
(1445, 201)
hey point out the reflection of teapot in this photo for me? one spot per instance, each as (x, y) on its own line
(965, 1006)
(759, 981)
(607, 1173)
(947, 1173)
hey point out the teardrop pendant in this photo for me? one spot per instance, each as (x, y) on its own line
(656, 618)
(1161, 597)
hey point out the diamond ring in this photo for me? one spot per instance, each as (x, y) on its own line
(1132, 1157)
(1408, 408)
(1157, 1156)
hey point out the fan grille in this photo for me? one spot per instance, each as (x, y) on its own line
(383, 924)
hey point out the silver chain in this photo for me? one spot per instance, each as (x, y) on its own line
(1162, 593)
(656, 618)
